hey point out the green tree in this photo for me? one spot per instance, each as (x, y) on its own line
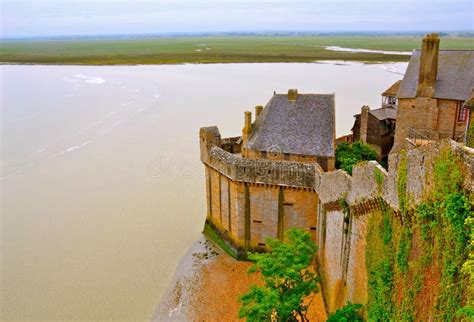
(288, 280)
(348, 155)
(349, 313)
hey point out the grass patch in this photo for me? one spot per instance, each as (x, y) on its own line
(214, 237)
(216, 49)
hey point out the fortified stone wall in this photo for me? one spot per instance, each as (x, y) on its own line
(250, 200)
(346, 204)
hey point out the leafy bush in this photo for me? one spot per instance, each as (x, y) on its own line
(348, 155)
(287, 278)
(349, 313)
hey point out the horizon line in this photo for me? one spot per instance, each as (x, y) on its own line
(173, 34)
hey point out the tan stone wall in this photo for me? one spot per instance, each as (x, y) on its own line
(341, 257)
(263, 213)
(226, 199)
(236, 211)
(300, 207)
(330, 259)
(225, 203)
(448, 118)
(356, 280)
(216, 215)
(424, 113)
(413, 113)
(208, 187)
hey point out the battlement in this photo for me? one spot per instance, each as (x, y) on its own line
(363, 185)
(262, 171)
(223, 155)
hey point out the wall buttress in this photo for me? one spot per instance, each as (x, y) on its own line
(247, 217)
(281, 213)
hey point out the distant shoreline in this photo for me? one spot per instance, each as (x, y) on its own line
(329, 61)
(211, 50)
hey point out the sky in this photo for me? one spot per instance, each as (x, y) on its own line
(25, 18)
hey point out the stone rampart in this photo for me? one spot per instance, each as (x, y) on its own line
(347, 203)
(363, 186)
(250, 200)
(285, 173)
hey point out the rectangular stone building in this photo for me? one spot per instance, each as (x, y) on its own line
(261, 184)
(432, 94)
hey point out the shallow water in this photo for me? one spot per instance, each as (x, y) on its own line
(359, 50)
(102, 187)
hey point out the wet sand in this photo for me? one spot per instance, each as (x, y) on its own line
(207, 285)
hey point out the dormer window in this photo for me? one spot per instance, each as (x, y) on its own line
(462, 116)
(390, 100)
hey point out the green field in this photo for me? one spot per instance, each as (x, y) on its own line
(211, 50)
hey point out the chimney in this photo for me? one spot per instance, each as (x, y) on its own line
(364, 119)
(247, 129)
(428, 66)
(258, 110)
(292, 94)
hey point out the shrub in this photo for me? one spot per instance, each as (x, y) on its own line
(348, 155)
(288, 280)
(349, 313)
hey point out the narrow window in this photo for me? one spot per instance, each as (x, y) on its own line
(462, 116)
(287, 156)
(263, 154)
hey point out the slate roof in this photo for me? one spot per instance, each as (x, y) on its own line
(304, 127)
(392, 90)
(384, 113)
(455, 78)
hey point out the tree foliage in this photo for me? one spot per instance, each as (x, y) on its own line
(348, 155)
(288, 280)
(349, 313)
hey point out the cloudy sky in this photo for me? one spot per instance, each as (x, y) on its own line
(86, 17)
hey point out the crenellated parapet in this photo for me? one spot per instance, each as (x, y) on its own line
(370, 180)
(216, 153)
(285, 173)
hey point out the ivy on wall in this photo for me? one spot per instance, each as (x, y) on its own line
(422, 268)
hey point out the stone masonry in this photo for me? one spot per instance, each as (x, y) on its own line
(250, 200)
